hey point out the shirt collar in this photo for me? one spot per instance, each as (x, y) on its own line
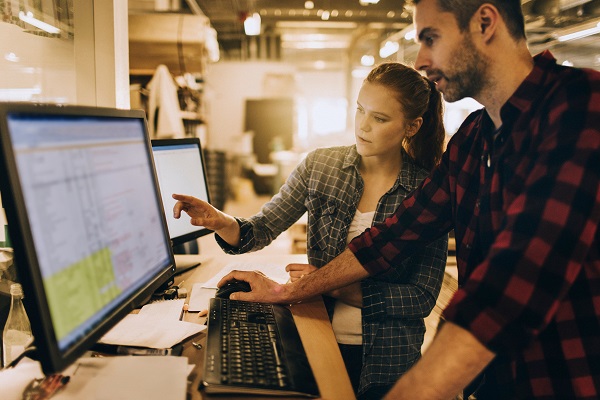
(529, 90)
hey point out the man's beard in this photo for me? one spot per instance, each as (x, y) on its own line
(468, 78)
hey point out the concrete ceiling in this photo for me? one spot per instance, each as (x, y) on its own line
(293, 33)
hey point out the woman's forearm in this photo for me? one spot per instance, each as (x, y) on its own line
(230, 232)
(351, 294)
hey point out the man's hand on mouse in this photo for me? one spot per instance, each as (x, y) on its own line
(263, 290)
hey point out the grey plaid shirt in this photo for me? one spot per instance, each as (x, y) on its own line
(328, 186)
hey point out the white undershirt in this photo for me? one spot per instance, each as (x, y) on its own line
(347, 324)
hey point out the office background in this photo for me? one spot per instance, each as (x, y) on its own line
(310, 54)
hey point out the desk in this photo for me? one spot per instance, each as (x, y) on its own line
(311, 320)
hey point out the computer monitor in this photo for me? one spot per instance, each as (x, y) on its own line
(85, 218)
(180, 168)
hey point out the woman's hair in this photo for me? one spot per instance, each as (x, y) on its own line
(419, 98)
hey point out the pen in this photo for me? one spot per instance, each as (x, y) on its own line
(184, 310)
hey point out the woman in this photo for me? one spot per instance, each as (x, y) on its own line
(379, 322)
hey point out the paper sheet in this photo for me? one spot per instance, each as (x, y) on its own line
(200, 297)
(126, 378)
(156, 326)
(13, 381)
(274, 271)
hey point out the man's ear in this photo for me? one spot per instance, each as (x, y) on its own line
(486, 20)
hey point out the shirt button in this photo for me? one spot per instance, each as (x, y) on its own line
(478, 204)
(468, 246)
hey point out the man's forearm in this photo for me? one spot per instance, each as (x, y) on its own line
(341, 271)
(453, 360)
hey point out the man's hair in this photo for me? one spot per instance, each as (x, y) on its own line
(463, 10)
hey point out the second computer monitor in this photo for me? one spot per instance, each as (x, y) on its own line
(180, 169)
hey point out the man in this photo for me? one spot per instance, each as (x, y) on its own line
(519, 184)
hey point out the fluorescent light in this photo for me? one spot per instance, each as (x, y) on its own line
(367, 60)
(252, 25)
(410, 35)
(28, 18)
(336, 44)
(388, 49)
(12, 57)
(580, 33)
(365, 2)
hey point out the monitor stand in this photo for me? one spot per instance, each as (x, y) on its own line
(184, 262)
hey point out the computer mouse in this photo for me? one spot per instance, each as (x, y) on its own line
(231, 287)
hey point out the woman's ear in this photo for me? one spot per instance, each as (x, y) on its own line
(413, 127)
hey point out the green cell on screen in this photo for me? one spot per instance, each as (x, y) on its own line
(6, 242)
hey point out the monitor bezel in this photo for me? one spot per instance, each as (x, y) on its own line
(25, 255)
(201, 231)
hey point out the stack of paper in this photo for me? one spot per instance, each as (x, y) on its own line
(157, 326)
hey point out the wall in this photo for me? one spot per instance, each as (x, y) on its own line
(228, 85)
(35, 68)
(90, 68)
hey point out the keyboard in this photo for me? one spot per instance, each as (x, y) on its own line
(255, 348)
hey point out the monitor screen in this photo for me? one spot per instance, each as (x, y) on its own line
(85, 218)
(180, 169)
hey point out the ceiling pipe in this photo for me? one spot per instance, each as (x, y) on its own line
(193, 5)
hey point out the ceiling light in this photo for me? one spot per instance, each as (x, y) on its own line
(325, 15)
(410, 35)
(12, 57)
(29, 18)
(367, 60)
(583, 31)
(367, 2)
(252, 25)
(388, 49)
(309, 5)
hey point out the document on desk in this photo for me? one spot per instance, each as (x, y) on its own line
(156, 326)
(200, 297)
(126, 378)
(13, 381)
(275, 271)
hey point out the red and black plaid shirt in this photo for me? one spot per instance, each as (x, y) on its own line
(524, 202)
